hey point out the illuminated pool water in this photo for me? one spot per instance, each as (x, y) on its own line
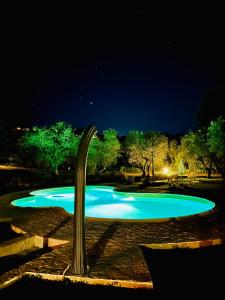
(104, 202)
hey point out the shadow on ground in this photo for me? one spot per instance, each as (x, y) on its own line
(95, 252)
(10, 262)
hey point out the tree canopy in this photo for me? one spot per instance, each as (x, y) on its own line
(52, 145)
(196, 152)
(147, 150)
(104, 152)
(216, 141)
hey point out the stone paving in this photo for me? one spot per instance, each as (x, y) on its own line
(113, 247)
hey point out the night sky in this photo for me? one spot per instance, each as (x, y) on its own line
(117, 68)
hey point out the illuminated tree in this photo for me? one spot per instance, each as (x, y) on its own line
(157, 147)
(172, 155)
(93, 156)
(216, 141)
(53, 145)
(136, 149)
(104, 152)
(198, 147)
(188, 157)
(181, 168)
(146, 151)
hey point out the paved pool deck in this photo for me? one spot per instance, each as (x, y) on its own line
(113, 247)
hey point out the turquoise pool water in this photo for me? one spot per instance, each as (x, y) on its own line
(104, 202)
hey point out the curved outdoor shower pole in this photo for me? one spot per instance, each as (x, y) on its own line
(79, 258)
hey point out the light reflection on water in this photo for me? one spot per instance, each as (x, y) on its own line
(104, 202)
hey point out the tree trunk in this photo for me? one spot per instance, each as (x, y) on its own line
(220, 169)
(148, 172)
(101, 171)
(153, 170)
(54, 171)
(143, 171)
(209, 169)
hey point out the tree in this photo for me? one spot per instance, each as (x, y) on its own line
(181, 168)
(216, 141)
(52, 145)
(147, 151)
(197, 145)
(104, 152)
(157, 146)
(93, 156)
(137, 156)
(187, 157)
(172, 155)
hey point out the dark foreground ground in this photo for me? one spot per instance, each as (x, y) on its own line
(177, 274)
(28, 287)
(189, 272)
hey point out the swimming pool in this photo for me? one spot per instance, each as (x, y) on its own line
(105, 202)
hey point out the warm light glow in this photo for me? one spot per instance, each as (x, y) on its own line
(166, 170)
(4, 167)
